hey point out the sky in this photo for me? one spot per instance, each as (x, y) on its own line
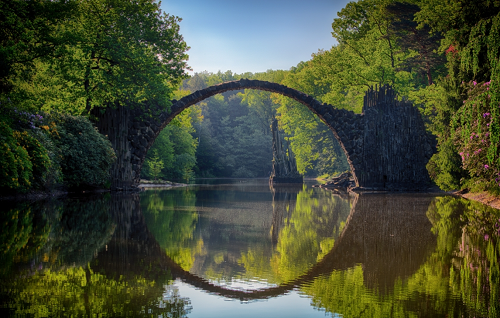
(253, 35)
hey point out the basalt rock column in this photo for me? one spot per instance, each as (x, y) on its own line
(396, 146)
(114, 123)
(284, 164)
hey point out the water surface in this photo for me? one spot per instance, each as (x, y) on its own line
(241, 248)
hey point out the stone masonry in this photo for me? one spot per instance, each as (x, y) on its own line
(387, 146)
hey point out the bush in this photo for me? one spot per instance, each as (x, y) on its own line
(477, 135)
(15, 162)
(444, 167)
(37, 156)
(53, 176)
(86, 154)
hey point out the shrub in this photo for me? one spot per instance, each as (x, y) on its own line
(37, 156)
(53, 176)
(16, 167)
(86, 154)
(444, 167)
(477, 135)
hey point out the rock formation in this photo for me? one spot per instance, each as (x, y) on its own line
(284, 163)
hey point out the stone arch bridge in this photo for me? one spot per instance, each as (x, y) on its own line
(387, 146)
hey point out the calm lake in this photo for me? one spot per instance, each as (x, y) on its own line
(239, 248)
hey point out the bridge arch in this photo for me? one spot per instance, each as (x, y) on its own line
(387, 146)
(341, 122)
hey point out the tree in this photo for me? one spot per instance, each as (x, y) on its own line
(471, 88)
(155, 165)
(29, 32)
(122, 52)
(411, 38)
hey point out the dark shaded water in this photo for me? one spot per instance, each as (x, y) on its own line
(239, 248)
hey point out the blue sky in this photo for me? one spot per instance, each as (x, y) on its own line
(256, 35)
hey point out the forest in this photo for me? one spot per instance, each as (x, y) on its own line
(61, 59)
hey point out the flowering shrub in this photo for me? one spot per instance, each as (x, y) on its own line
(24, 120)
(42, 152)
(477, 135)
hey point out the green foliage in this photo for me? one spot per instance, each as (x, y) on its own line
(17, 169)
(232, 130)
(458, 278)
(116, 53)
(37, 155)
(80, 291)
(86, 154)
(76, 223)
(468, 114)
(444, 167)
(172, 228)
(47, 135)
(16, 230)
(24, 232)
(176, 148)
(309, 233)
(71, 56)
(314, 145)
(29, 31)
(155, 165)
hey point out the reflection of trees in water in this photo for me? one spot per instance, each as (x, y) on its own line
(84, 227)
(171, 217)
(77, 283)
(308, 233)
(398, 256)
(80, 292)
(476, 260)
(386, 240)
(304, 221)
(57, 232)
(458, 278)
(23, 232)
(305, 225)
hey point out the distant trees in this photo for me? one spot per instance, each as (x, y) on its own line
(231, 133)
(175, 147)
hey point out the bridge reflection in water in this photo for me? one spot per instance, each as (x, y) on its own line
(365, 255)
(389, 236)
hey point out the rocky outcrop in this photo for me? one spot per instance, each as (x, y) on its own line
(340, 184)
(284, 163)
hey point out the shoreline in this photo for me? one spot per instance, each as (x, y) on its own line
(482, 197)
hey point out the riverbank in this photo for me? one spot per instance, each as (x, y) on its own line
(344, 183)
(483, 197)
